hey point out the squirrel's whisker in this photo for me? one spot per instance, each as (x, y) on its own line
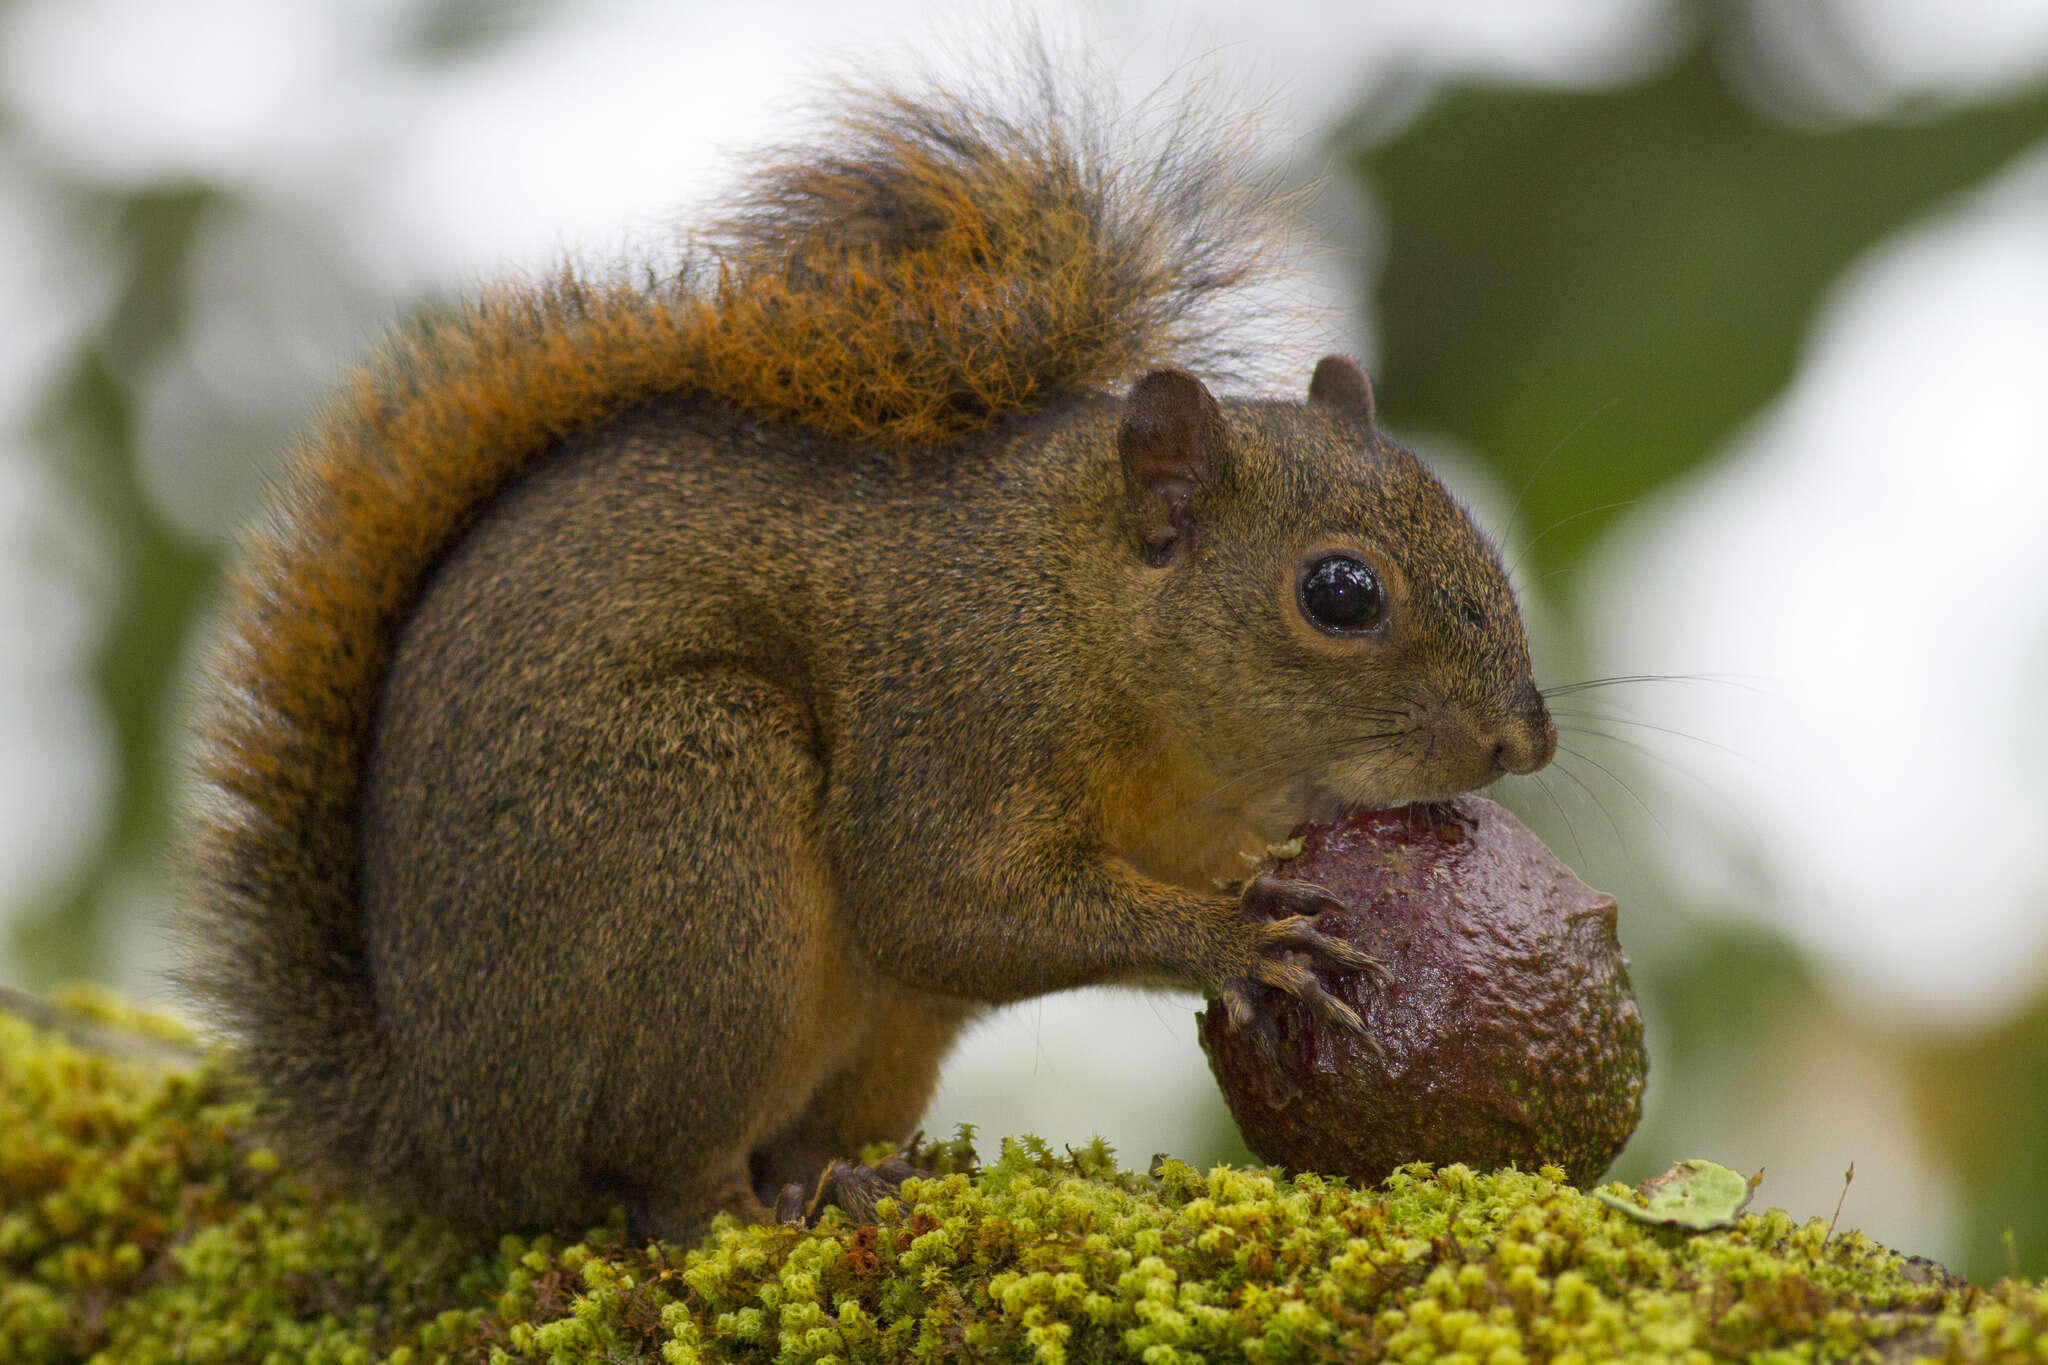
(1530, 482)
(1561, 523)
(1616, 779)
(1564, 816)
(1606, 719)
(1594, 797)
(1721, 679)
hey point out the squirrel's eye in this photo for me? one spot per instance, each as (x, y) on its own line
(1342, 594)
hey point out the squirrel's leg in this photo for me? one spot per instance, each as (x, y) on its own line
(879, 1097)
(655, 981)
(746, 998)
(1024, 918)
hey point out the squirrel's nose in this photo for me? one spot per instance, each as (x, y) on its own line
(1529, 739)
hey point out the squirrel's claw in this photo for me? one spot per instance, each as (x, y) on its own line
(1304, 935)
(1284, 915)
(1257, 1024)
(1237, 1004)
(1267, 896)
(1292, 911)
(1301, 983)
(855, 1188)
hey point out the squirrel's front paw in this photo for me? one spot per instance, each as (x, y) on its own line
(1279, 919)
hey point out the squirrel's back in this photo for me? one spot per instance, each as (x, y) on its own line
(925, 269)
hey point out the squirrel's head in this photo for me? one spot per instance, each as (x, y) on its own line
(1322, 622)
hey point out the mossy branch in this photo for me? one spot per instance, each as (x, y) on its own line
(140, 1221)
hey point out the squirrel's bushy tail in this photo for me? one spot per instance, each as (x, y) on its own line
(926, 266)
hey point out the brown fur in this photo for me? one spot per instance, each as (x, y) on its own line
(615, 782)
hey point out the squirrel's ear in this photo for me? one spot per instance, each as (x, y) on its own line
(1173, 443)
(1338, 384)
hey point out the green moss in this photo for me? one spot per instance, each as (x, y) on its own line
(141, 1221)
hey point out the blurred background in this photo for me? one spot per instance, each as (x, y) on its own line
(1729, 320)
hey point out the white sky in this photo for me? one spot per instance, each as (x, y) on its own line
(1870, 554)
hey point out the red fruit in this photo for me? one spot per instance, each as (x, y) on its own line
(1503, 1029)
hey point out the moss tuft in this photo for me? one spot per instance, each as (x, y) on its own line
(141, 1222)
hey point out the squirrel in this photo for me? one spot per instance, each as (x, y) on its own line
(657, 712)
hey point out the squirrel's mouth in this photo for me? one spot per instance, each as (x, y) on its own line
(1320, 801)
(1444, 772)
(1326, 804)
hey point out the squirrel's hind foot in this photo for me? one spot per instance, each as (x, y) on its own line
(855, 1188)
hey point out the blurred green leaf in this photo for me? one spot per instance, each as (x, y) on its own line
(450, 30)
(161, 577)
(1631, 272)
(1985, 1102)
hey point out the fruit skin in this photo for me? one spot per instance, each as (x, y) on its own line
(1502, 1031)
